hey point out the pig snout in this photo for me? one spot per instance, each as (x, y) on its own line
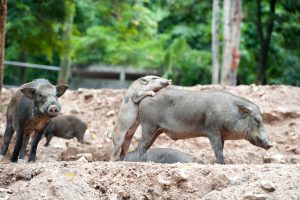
(166, 82)
(264, 142)
(53, 110)
(267, 145)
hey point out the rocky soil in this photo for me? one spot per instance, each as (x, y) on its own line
(70, 170)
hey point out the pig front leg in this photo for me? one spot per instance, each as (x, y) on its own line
(19, 141)
(23, 148)
(35, 141)
(217, 144)
(9, 131)
(139, 96)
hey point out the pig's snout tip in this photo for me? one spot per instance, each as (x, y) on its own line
(53, 111)
(268, 146)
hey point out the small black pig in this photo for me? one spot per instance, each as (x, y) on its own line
(28, 111)
(65, 126)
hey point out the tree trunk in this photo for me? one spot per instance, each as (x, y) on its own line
(3, 12)
(264, 42)
(235, 41)
(215, 42)
(232, 17)
(226, 59)
(65, 60)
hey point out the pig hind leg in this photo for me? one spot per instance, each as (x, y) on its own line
(149, 135)
(23, 148)
(217, 144)
(128, 138)
(117, 147)
(9, 131)
(19, 141)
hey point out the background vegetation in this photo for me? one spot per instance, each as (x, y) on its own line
(173, 36)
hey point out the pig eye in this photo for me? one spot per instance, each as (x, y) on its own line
(41, 96)
(154, 78)
(257, 121)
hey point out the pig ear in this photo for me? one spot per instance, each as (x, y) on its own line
(143, 81)
(29, 92)
(244, 110)
(61, 89)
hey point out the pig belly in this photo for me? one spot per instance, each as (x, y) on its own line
(184, 132)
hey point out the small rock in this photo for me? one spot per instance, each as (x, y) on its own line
(267, 159)
(82, 159)
(75, 111)
(9, 191)
(255, 197)
(278, 158)
(164, 182)
(50, 180)
(25, 174)
(179, 175)
(87, 156)
(294, 160)
(110, 113)
(291, 148)
(58, 146)
(88, 96)
(268, 186)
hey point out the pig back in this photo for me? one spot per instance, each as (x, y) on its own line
(185, 114)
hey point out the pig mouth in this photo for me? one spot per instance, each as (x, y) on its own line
(260, 143)
(264, 144)
(169, 82)
(268, 146)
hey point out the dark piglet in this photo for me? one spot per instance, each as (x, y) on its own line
(28, 111)
(183, 114)
(161, 155)
(65, 126)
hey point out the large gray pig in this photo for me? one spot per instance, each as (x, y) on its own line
(29, 110)
(183, 114)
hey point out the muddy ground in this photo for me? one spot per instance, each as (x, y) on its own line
(70, 170)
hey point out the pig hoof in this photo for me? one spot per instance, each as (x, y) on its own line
(13, 159)
(150, 93)
(31, 160)
(1, 158)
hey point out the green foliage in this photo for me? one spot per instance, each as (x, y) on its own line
(283, 58)
(173, 36)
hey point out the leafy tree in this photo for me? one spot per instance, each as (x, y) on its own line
(65, 60)
(33, 35)
(173, 36)
(3, 10)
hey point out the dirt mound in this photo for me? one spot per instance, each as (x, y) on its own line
(70, 170)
